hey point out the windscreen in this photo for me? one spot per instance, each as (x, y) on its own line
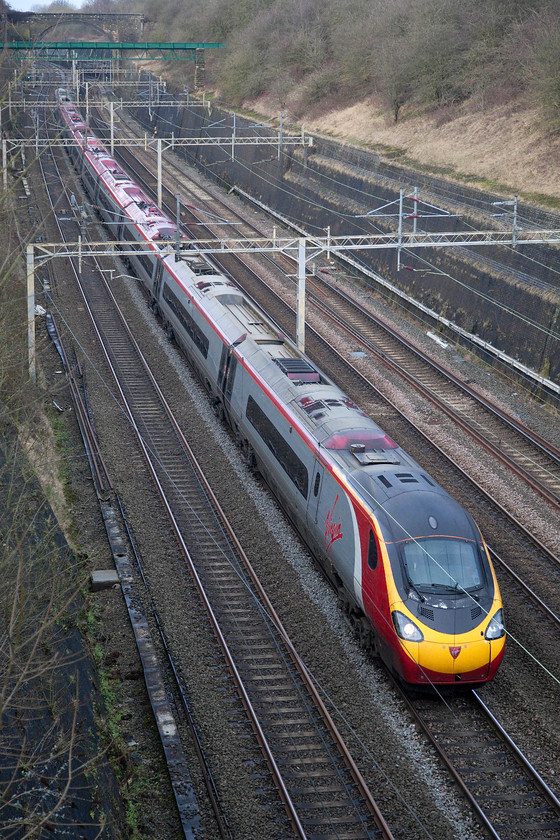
(443, 564)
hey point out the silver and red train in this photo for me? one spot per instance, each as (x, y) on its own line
(410, 566)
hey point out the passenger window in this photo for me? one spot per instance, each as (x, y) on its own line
(292, 465)
(372, 551)
(317, 483)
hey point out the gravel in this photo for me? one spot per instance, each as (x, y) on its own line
(417, 797)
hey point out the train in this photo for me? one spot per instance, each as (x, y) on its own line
(410, 567)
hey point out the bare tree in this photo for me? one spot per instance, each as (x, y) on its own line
(47, 740)
(542, 65)
(40, 697)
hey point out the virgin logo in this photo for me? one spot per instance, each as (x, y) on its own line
(333, 530)
(454, 651)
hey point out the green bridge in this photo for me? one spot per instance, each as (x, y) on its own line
(96, 50)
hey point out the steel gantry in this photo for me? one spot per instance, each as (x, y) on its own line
(301, 249)
(158, 144)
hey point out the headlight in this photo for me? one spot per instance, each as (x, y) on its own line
(406, 628)
(495, 629)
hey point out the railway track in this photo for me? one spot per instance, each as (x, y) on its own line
(110, 504)
(323, 792)
(530, 561)
(527, 560)
(530, 457)
(179, 773)
(511, 799)
(531, 566)
(541, 821)
(513, 443)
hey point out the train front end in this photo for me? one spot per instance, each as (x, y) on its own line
(444, 601)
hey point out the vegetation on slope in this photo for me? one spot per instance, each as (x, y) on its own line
(406, 54)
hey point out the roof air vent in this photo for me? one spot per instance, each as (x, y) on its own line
(406, 478)
(298, 369)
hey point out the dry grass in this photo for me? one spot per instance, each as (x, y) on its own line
(502, 145)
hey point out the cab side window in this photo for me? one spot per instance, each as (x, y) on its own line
(372, 551)
(316, 485)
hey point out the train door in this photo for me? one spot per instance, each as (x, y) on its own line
(315, 495)
(158, 274)
(312, 525)
(374, 589)
(226, 377)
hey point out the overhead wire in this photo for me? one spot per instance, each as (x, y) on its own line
(436, 562)
(339, 712)
(291, 192)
